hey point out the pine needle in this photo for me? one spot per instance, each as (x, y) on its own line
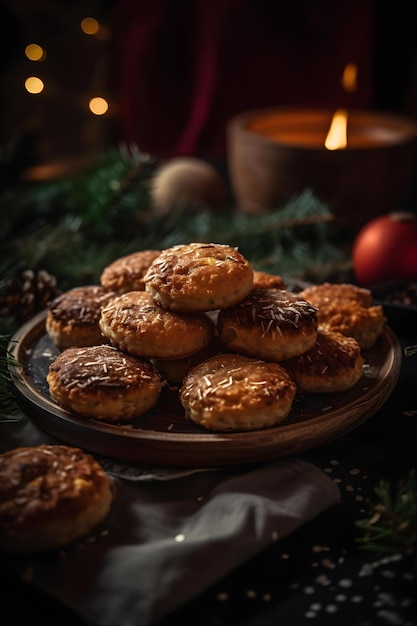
(8, 406)
(392, 523)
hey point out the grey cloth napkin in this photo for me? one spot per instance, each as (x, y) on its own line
(166, 541)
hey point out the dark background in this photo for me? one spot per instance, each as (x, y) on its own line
(174, 73)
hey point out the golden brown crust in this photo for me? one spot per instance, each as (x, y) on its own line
(365, 324)
(347, 309)
(230, 392)
(334, 364)
(103, 383)
(327, 293)
(264, 280)
(50, 496)
(199, 277)
(147, 330)
(126, 273)
(73, 317)
(270, 324)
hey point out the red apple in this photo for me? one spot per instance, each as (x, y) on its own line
(385, 250)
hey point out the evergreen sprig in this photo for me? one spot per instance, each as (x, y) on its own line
(8, 406)
(392, 524)
(74, 227)
(110, 197)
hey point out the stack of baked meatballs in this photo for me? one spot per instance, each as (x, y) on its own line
(238, 345)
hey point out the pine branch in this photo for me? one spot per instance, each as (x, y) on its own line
(73, 228)
(392, 525)
(111, 196)
(8, 406)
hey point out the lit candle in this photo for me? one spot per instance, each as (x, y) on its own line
(276, 153)
(310, 128)
(336, 138)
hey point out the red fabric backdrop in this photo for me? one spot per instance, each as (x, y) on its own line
(183, 68)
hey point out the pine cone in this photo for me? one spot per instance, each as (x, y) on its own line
(28, 294)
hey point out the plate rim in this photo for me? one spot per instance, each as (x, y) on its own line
(140, 442)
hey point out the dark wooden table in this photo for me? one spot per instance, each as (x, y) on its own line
(319, 574)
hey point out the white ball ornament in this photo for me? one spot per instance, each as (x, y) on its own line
(187, 183)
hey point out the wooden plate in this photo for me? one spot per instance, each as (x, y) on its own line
(163, 437)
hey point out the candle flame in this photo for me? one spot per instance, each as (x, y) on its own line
(337, 136)
(349, 78)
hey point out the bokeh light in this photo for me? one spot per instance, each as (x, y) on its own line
(350, 77)
(34, 52)
(33, 84)
(98, 106)
(104, 33)
(90, 26)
